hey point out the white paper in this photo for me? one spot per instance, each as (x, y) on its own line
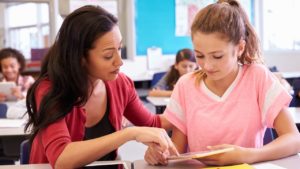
(154, 55)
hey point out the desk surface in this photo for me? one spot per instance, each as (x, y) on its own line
(295, 111)
(288, 163)
(30, 166)
(289, 75)
(47, 166)
(12, 127)
(158, 101)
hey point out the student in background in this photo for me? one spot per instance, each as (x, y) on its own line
(76, 105)
(184, 63)
(12, 64)
(232, 99)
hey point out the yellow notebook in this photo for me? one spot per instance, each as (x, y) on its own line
(240, 166)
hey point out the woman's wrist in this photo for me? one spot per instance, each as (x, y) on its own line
(130, 133)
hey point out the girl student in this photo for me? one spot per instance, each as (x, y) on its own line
(232, 99)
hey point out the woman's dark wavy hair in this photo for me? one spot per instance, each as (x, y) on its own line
(63, 67)
(14, 53)
(173, 75)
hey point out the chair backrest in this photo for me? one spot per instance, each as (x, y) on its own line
(25, 152)
(273, 69)
(3, 110)
(296, 100)
(156, 77)
(269, 136)
(37, 54)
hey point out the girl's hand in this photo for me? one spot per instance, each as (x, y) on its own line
(16, 91)
(154, 157)
(158, 141)
(237, 156)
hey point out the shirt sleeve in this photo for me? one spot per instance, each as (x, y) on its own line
(135, 110)
(55, 137)
(175, 111)
(272, 95)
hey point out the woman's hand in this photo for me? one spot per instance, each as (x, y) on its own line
(158, 141)
(237, 156)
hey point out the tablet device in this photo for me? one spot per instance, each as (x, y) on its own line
(107, 165)
(200, 154)
(5, 88)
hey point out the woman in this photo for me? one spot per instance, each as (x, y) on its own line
(76, 105)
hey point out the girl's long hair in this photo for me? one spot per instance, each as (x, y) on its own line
(63, 67)
(173, 75)
(229, 19)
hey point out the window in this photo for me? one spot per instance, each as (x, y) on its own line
(32, 31)
(280, 25)
(276, 23)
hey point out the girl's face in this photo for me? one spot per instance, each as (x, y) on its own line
(10, 68)
(185, 66)
(217, 57)
(104, 60)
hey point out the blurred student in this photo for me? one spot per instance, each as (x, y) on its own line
(76, 105)
(12, 64)
(184, 63)
(232, 99)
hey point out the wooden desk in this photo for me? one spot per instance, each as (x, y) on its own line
(47, 166)
(292, 162)
(160, 103)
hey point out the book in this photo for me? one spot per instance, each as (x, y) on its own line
(200, 154)
(6, 88)
(239, 166)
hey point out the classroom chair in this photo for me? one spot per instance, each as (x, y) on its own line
(156, 77)
(296, 100)
(24, 152)
(3, 110)
(269, 136)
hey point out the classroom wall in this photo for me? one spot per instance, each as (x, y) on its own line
(285, 61)
(155, 26)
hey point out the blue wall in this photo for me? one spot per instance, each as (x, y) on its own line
(155, 26)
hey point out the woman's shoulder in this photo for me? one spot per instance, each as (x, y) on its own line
(44, 85)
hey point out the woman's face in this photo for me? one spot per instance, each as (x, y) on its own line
(10, 68)
(217, 57)
(104, 60)
(185, 66)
